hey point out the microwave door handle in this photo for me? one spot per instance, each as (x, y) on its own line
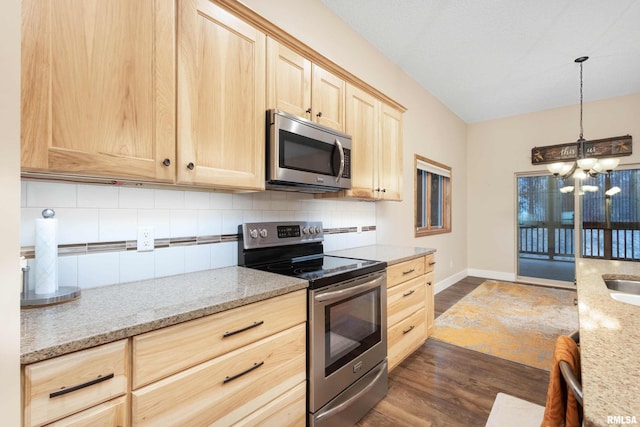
(341, 151)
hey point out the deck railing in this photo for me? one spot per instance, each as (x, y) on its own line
(555, 240)
(551, 240)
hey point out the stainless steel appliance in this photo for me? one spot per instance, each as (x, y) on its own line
(347, 326)
(305, 156)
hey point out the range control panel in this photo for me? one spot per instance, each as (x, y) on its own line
(266, 234)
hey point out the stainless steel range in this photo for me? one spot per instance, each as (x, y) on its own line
(347, 319)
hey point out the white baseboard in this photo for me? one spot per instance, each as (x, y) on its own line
(455, 278)
(489, 274)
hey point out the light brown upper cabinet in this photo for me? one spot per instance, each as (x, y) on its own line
(97, 90)
(376, 129)
(300, 87)
(221, 98)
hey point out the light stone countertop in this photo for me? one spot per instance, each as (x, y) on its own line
(609, 346)
(387, 253)
(114, 312)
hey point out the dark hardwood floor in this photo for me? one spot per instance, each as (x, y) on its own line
(445, 385)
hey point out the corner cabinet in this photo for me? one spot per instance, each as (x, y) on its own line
(410, 309)
(300, 87)
(221, 99)
(98, 88)
(86, 388)
(376, 129)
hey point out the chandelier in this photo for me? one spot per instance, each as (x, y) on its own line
(586, 164)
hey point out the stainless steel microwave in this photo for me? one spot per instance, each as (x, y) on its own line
(305, 156)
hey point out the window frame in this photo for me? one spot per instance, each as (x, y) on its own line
(445, 203)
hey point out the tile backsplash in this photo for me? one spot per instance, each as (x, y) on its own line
(197, 228)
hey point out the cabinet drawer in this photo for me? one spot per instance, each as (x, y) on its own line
(161, 353)
(109, 414)
(67, 384)
(404, 271)
(224, 390)
(288, 410)
(429, 263)
(405, 337)
(404, 299)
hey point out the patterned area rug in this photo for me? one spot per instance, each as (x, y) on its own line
(511, 321)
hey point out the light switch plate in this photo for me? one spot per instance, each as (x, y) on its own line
(146, 240)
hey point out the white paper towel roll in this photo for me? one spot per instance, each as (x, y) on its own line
(46, 252)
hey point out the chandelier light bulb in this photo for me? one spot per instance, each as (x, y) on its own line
(609, 164)
(587, 164)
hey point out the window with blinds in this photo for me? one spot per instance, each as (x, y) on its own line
(432, 197)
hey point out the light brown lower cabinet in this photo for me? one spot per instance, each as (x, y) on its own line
(245, 366)
(224, 390)
(108, 414)
(65, 385)
(409, 307)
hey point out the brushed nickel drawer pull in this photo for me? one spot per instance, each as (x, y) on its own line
(406, 294)
(429, 283)
(246, 371)
(246, 328)
(406, 331)
(432, 263)
(409, 271)
(66, 390)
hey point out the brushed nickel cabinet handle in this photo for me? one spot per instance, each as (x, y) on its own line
(406, 331)
(66, 390)
(409, 271)
(406, 294)
(432, 263)
(166, 162)
(190, 166)
(246, 371)
(246, 328)
(319, 114)
(428, 283)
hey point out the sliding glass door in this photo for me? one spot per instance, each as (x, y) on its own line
(545, 228)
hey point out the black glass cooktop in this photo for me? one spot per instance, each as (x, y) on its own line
(324, 270)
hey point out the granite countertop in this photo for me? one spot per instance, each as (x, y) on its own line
(609, 346)
(387, 253)
(110, 313)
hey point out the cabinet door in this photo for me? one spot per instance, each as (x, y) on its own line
(362, 123)
(109, 414)
(288, 80)
(390, 155)
(430, 303)
(221, 98)
(327, 98)
(98, 88)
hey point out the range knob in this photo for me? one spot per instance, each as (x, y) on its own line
(314, 230)
(253, 233)
(305, 230)
(263, 232)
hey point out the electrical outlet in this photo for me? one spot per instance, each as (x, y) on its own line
(146, 240)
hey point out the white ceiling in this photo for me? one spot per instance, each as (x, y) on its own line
(487, 59)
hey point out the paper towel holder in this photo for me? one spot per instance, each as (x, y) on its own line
(28, 297)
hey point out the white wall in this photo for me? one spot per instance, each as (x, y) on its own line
(430, 129)
(498, 149)
(10, 179)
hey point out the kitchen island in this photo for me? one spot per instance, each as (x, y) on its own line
(609, 346)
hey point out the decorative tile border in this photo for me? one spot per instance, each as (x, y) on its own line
(131, 245)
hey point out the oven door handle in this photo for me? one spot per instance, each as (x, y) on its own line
(341, 169)
(345, 293)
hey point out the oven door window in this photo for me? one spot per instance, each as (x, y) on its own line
(309, 155)
(352, 326)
